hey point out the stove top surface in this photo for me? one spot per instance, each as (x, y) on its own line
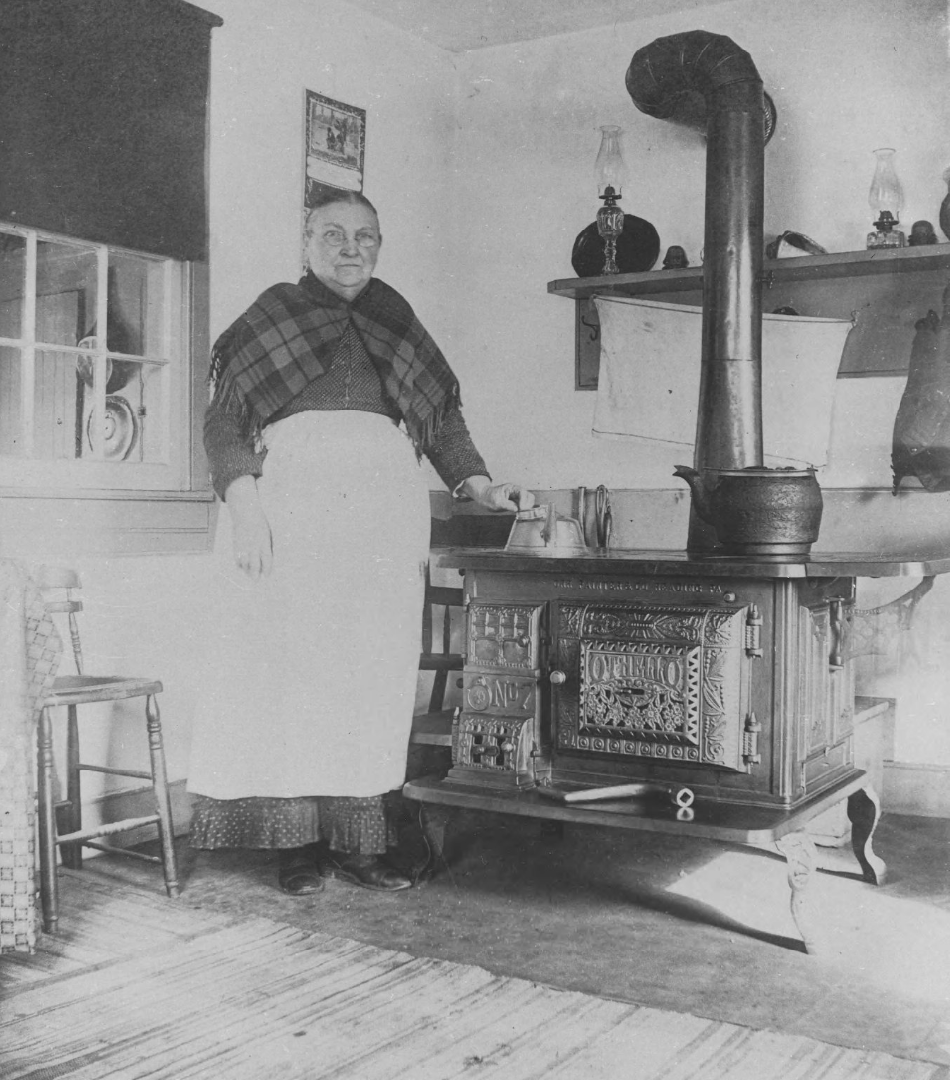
(818, 564)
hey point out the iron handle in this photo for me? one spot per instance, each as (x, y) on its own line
(557, 678)
(836, 613)
(603, 515)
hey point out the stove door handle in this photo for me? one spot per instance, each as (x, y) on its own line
(836, 618)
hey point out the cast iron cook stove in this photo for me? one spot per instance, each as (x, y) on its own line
(724, 676)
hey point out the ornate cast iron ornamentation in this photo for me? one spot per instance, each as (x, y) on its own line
(753, 632)
(570, 619)
(493, 742)
(821, 678)
(652, 680)
(650, 624)
(750, 740)
(505, 695)
(640, 698)
(503, 636)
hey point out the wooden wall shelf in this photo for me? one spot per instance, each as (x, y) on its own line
(884, 292)
(839, 264)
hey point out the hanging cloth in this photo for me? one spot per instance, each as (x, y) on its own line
(648, 386)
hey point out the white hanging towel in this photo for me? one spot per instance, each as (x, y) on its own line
(648, 386)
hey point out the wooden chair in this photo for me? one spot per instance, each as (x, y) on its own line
(434, 727)
(60, 588)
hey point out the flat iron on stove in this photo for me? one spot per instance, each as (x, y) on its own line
(543, 531)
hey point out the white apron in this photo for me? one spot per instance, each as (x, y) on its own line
(309, 683)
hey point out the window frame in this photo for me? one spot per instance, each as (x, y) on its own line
(65, 508)
(138, 180)
(171, 470)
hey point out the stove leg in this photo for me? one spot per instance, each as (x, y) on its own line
(434, 821)
(801, 856)
(864, 812)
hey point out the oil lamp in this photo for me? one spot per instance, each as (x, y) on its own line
(610, 173)
(886, 198)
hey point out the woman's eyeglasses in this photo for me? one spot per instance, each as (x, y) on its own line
(337, 238)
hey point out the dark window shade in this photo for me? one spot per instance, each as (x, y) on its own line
(103, 121)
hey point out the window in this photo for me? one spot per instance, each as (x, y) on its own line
(80, 409)
(103, 276)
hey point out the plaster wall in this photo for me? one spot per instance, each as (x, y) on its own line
(844, 83)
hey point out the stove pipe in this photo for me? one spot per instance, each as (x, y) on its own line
(705, 80)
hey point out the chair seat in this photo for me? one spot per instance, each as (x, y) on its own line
(80, 689)
(432, 729)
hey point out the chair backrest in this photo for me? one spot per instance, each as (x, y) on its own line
(443, 661)
(59, 586)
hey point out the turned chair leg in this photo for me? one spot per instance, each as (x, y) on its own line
(49, 886)
(71, 815)
(166, 832)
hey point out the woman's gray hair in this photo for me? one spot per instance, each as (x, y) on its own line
(329, 197)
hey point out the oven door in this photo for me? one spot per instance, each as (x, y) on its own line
(654, 681)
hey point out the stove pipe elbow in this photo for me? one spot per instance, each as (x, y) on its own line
(705, 80)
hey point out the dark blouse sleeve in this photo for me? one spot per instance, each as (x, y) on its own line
(230, 453)
(453, 454)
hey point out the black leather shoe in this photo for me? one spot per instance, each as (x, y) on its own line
(367, 871)
(298, 874)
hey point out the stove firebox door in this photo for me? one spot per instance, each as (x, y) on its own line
(655, 682)
(497, 737)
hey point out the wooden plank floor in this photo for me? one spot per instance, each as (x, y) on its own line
(137, 986)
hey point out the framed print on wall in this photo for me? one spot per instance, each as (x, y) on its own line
(335, 140)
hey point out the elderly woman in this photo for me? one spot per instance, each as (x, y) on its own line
(325, 395)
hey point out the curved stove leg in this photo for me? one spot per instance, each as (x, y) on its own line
(434, 819)
(864, 812)
(801, 856)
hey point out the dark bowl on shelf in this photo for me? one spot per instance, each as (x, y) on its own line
(638, 248)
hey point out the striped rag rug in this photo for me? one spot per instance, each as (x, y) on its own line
(139, 987)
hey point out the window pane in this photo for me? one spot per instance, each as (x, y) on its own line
(136, 302)
(79, 401)
(133, 427)
(58, 404)
(65, 292)
(11, 428)
(12, 270)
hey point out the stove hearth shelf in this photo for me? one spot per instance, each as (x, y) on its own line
(751, 826)
(726, 822)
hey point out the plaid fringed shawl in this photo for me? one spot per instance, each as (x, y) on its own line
(289, 336)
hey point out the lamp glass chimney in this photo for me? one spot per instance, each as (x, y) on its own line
(886, 199)
(610, 170)
(886, 192)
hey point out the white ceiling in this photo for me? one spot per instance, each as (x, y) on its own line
(460, 25)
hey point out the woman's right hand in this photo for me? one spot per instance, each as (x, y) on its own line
(250, 530)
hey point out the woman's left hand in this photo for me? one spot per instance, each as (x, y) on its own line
(497, 496)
